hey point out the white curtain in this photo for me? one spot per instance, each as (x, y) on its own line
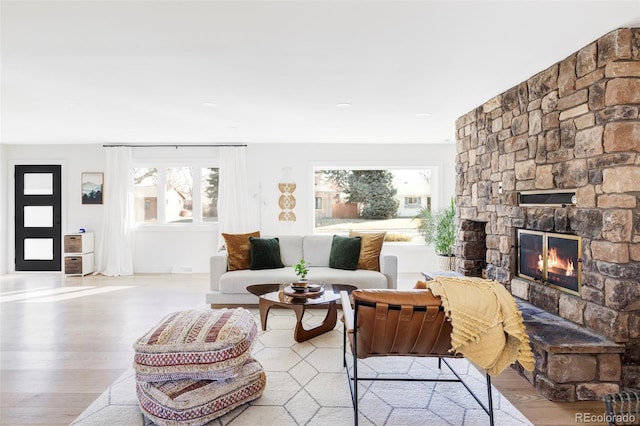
(115, 251)
(233, 193)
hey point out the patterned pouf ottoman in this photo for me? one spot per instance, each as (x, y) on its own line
(196, 365)
(196, 344)
(197, 402)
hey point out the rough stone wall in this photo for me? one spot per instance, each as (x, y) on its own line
(575, 125)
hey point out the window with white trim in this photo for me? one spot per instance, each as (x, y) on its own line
(175, 193)
(412, 202)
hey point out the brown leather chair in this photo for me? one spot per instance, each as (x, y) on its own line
(398, 323)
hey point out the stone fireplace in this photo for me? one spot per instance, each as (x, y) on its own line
(572, 128)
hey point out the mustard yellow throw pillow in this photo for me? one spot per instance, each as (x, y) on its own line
(239, 250)
(371, 245)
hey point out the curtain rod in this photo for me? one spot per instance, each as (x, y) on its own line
(172, 145)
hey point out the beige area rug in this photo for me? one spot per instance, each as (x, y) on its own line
(307, 385)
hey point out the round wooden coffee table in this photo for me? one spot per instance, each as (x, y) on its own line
(281, 295)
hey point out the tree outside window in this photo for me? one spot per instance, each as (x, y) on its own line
(210, 179)
(178, 194)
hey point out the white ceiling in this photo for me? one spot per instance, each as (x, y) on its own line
(147, 71)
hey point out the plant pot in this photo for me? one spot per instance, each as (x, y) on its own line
(446, 263)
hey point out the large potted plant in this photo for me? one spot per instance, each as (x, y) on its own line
(439, 228)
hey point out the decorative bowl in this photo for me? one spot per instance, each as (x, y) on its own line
(312, 288)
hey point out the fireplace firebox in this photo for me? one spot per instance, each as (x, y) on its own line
(550, 258)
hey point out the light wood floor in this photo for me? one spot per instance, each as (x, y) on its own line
(63, 340)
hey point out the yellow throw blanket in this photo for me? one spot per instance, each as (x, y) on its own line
(487, 325)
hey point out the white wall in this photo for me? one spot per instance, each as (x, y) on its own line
(4, 188)
(188, 249)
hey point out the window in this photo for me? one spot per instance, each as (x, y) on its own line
(176, 194)
(371, 200)
(412, 202)
(146, 194)
(209, 194)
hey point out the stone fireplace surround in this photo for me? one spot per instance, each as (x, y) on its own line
(574, 125)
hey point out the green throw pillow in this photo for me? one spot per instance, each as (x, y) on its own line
(345, 252)
(265, 253)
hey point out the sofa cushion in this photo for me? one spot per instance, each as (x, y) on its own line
(290, 249)
(316, 250)
(265, 253)
(345, 252)
(239, 250)
(196, 344)
(237, 281)
(198, 402)
(370, 249)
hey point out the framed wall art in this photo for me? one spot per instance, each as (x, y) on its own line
(92, 188)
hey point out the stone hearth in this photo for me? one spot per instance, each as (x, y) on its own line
(573, 126)
(572, 362)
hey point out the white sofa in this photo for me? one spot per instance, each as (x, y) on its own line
(228, 288)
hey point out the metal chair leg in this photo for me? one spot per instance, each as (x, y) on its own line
(487, 408)
(344, 346)
(490, 396)
(355, 383)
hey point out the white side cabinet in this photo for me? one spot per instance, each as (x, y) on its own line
(79, 258)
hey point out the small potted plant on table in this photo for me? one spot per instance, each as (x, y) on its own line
(301, 269)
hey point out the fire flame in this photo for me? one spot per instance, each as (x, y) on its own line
(570, 269)
(556, 262)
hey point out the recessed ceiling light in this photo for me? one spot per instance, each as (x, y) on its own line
(343, 105)
(209, 104)
(423, 114)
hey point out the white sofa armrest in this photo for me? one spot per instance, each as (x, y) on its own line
(217, 267)
(389, 267)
